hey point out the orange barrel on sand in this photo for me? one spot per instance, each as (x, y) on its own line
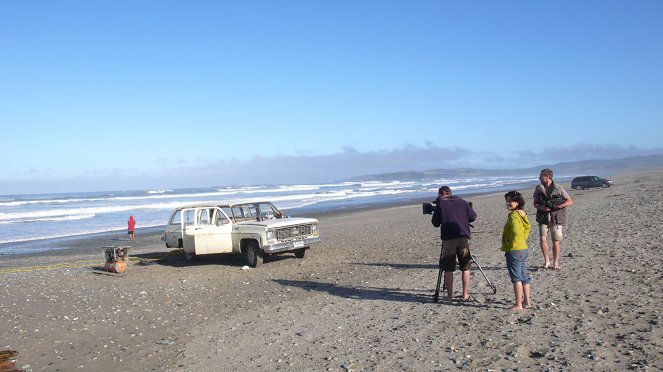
(116, 266)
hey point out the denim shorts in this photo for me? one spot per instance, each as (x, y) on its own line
(515, 263)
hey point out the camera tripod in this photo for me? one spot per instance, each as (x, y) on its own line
(436, 297)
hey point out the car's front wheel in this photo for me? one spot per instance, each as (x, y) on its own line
(605, 185)
(300, 253)
(253, 254)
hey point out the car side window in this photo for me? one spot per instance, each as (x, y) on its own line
(203, 217)
(189, 217)
(176, 219)
(237, 212)
(227, 211)
(220, 218)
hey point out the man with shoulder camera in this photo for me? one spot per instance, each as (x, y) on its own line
(453, 216)
(550, 201)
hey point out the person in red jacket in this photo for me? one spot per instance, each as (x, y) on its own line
(132, 225)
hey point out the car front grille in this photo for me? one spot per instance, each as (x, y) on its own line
(292, 232)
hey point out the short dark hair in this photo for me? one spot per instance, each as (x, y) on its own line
(517, 197)
(547, 172)
(445, 190)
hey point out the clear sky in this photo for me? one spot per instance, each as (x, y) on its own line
(119, 95)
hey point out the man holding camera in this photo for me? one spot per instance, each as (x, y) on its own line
(453, 216)
(550, 201)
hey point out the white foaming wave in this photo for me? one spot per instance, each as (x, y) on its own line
(68, 234)
(80, 213)
(61, 213)
(159, 191)
(381, 183)
(283, 188)
(13, 203)
(56, 219)
(395, 186)
(299, 200)
(310, 199)
(117, 198)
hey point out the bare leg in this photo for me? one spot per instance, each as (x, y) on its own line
(466, 285)
(544, 249)
(449, 282)
(556, 251)
(518, 292)
(526, 292)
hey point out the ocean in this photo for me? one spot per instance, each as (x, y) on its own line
(35, 218)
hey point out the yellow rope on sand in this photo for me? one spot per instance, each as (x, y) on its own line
(76, 264)
(6, 354)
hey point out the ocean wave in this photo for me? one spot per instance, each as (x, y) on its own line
(159, 191)
(70, 234)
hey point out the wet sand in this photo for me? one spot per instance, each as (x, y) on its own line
(361, 300)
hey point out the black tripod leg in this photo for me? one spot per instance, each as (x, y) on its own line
(436, 297)
(484, 275)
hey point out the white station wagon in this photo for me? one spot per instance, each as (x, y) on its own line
(252, 229)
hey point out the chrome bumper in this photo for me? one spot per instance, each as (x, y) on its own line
(290, 246)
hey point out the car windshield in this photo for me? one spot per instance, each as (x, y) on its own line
(252, 211)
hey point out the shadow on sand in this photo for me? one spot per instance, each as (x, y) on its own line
(175, 258)
(370, 293)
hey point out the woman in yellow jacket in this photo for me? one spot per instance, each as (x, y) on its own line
(514, 246)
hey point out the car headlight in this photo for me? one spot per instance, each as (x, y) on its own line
(314, 227)
(270, 234)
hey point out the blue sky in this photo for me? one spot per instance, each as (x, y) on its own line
(118, 95)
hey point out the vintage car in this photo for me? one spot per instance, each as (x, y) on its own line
(252, 229)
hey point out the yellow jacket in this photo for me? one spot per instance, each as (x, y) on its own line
(516, 231)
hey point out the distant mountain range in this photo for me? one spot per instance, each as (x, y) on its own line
(599, 167)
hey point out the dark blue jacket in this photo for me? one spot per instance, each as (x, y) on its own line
(453, 216)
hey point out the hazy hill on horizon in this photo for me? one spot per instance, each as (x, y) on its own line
(599, 167)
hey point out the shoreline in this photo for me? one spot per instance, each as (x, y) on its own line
(61, 245)
(49, 246)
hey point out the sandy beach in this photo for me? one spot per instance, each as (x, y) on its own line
(361, 300)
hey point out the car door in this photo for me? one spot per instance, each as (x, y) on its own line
(213, 231)
(189, 230)
(173, 232)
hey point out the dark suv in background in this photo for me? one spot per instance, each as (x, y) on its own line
(585, 182)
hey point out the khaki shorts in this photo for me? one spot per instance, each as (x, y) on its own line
(555, 232)
(456, 248)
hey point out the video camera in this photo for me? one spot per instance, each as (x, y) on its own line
(429, 208)
(554, 202)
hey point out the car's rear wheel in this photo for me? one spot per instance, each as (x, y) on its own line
(189, 256)
(300, 253)
(253, 254)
